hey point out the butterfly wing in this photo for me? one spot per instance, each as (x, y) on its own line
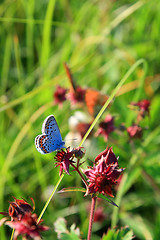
(50, 128)
(91, 97)
(45, 144)
(94, 101)
(51, 139)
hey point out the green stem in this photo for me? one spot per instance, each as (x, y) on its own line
(129, 72)
(83, 179)
(47, 203)
(12, 235)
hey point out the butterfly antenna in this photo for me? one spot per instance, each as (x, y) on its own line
(69, 139)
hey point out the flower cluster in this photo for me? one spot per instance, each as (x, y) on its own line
(104, 174)
(23, 220)
(101, 177)
(64, 158)
(143, 106)
(79, 96)
(135, 131)
(59, 95)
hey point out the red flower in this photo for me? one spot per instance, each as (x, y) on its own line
(64, 158)
(104, 174)
(18, 209)
(143, 105)
(135, 132)
(22, 220)
(106, 127)
(109, 154)
(60, 95)
(76, 96)
(143, 108)
(27, 227)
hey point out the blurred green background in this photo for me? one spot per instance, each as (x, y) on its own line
(100, 40)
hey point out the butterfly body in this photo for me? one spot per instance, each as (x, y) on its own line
(50, 140)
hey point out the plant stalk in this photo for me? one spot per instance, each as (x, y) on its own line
(91, 217)
(83, 179)
(47, 203)
(12, 235)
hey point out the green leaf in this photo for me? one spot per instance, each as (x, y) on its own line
(63, 233)
(114, 234)
(107, 199)
(60, 225)
(141, 227)
(72, 189)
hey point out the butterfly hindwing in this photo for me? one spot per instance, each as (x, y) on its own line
(45, 145)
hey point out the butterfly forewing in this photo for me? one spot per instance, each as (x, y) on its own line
(50, 127)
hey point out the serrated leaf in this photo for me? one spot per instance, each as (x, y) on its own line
(128, 235)
(63, 233)
(109, 234)
(114, 234)
(74, 229)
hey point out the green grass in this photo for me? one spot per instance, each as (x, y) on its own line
(100, 40)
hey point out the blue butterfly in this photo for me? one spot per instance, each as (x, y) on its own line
(50, 140)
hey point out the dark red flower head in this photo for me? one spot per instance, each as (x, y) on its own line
(104, 174)
(109, 155)
(143, 105)
(23, 221)
(76, 96)
(143, 108)
(60, 95)
(27, 227)
(24, 205)
(18, 208)
(106, 127)
(135, 132)
(63, 159)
